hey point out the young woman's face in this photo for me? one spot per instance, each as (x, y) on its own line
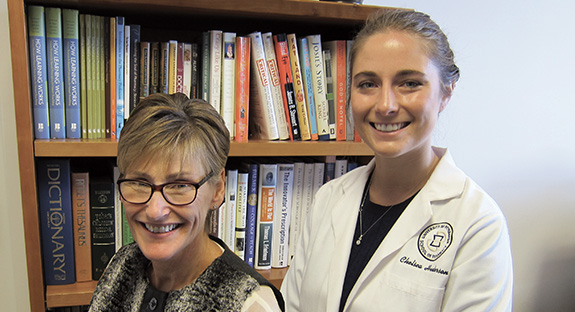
(165, 232)
(396, 94)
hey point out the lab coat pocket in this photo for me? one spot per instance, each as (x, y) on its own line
(405, 294)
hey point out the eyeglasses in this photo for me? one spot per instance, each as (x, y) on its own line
(176, 193)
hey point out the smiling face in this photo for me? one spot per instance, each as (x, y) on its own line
(165, 232)
(396, 94)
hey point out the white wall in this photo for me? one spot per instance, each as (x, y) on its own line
(13, 274)
(509, 126)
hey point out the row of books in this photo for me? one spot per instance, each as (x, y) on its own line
(88, 72)
(82, 221)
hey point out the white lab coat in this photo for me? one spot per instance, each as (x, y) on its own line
(448, 251)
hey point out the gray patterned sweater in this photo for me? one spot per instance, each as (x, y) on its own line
(223, 286)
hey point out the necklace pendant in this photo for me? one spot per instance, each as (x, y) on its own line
(358, 241)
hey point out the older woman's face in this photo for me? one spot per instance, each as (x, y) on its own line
(396, 94)
(165, 232)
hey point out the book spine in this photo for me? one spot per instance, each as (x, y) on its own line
(118, 224)
(263, 122)
(286, 83)
(81, 217)
(284, 128)
(172, 66)
(349, 129)
(112, 114)
(319, 88)
(154, 67)
(127, 72)
(135, 38)
(56, 223)
(340, 167)
(187, 82)
(180, 67)
(164, 67)
(282, 214)
(329, 93)
(329, 172)
(194, 93)
(205, 87)
(119, 75)
(228, 80)
(144, 69)
(71, 49)
(308, 87)
(300, 99)
(295, 216)
(230, 208)
(83, 78)
(251, 213)
(318, 176)
(38, 68)
(242, 89)
(215, 69)
(107, 79)
(101, 77)
(341, 89)
(55, 73)
(103, 229)
(241, 215)
(265, 217)
(308, 193)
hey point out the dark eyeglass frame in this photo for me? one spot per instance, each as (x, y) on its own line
(160, 188)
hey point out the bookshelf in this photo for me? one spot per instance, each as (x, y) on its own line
(185, 20)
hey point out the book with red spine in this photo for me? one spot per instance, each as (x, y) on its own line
(286, 83)
(242, 87)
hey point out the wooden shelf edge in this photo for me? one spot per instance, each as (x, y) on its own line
(81, 293)
(109, 148)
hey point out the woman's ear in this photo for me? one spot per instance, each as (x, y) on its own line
(220, 190)
(447, 91)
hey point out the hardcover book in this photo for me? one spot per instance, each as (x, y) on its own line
(306, 70)
(55, 60)
(300, 97)
(338, 54)
(102, 216)
(215, 69)
(230, 208)
(119, 75)
(265, 216)
(242, 89)
(329, 91)
(144, 69)
(282, 215)
(70, 35)
(134, 72)
(280, 112)
(297, 199)
(319, 85)
(38, 71)
(251, 213)
(56, 225)
(228, 80)
(241, 215)
(286, 83)
(81, 219)
(83, 77)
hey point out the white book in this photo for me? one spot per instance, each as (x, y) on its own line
(241, 214)
(308, 193)
(297, 201)
(187, 69)
(265, 216)
(340, 167)
(319, 86)
(215, 69)
(263, 121)
(117, 210)
(230, 208)
(228, 93)
(281, 116)
(282, 216)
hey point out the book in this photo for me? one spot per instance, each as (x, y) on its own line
(340, 167)
(350, 133)
(55, 70)
(282, 215)
(127, 73)
(154, 68)
(251, 213)
(308, 87)
(194, 90)
(56, 225)
(280, 112)
(228, 94)
(38, 71)
(101, 76)
(205, 78)
(107, 80)
(242, 89)
(172, 66)
(329, 168)
(338, 52)
(215, 68)
(265, 216)
(295, 216)
(164, 67)
(118, 215)
(241, 215)
(71, 48)
(119, 75)
(187, 57)
(286, 83)
(102, 216)
(112, 111)
(318, 176)
(319, 85)
(329, 92)
(144, 69)
(180, 67)
(299, 92)
(263, 122)
(81, 220)
(83, 77)
(134, 72)
(127, 237)
(308, 191)
(230, 208)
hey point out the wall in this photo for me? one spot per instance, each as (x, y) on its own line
(509, 126)
(14, 285)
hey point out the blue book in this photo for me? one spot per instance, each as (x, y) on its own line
(55, 205)
(308, 86)
(251, 213)
(119, 75)
(55, 72)
(39, 84)
(70, 35)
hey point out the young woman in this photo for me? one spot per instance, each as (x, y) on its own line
(171, 156)
(409, 231)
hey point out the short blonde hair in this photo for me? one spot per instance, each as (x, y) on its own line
(164, 125)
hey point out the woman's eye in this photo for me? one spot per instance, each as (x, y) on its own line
(366, 85)
(412, 84)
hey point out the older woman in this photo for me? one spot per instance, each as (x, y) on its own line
(171, 156)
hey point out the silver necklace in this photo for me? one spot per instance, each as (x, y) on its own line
(361, 232)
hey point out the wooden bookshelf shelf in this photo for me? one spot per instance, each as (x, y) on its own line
(109, 148)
